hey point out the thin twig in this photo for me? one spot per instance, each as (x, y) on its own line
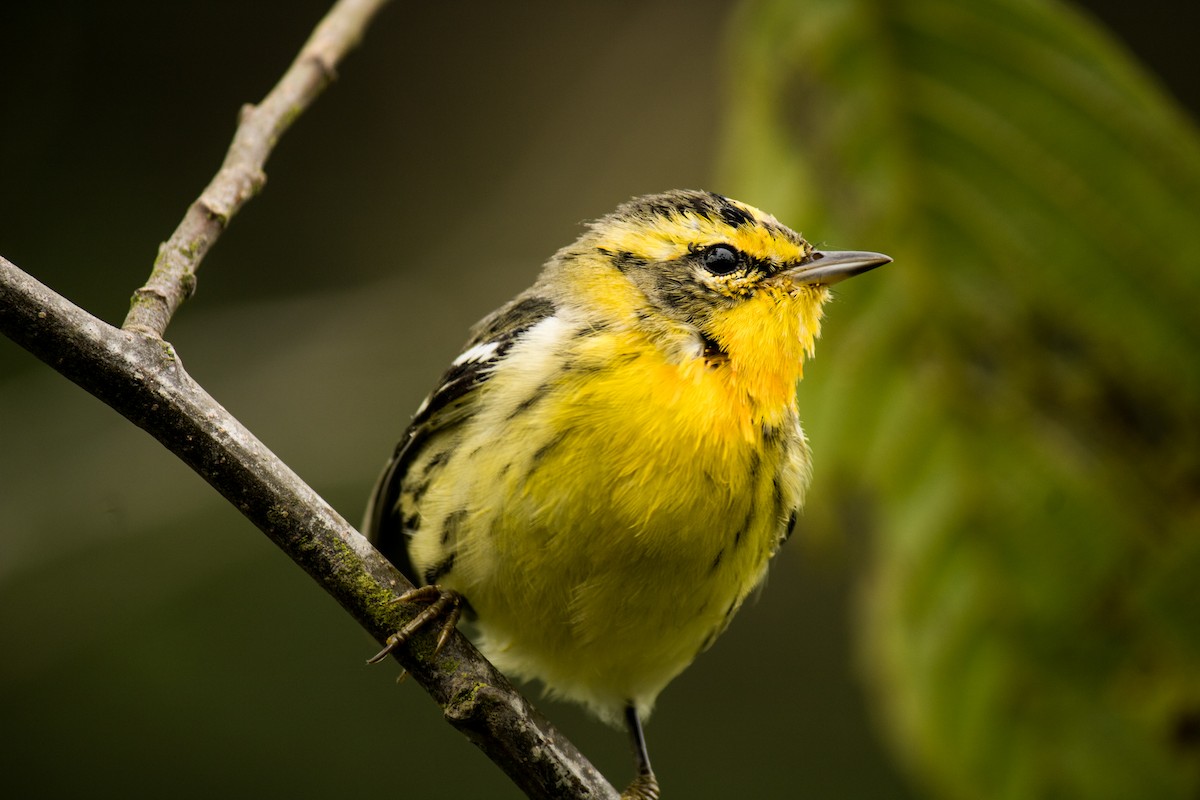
(142, 378)
(241, 176)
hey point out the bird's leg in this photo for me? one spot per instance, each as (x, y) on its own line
(645, 785)
(442, 602)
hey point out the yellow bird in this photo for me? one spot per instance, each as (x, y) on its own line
(604, 474)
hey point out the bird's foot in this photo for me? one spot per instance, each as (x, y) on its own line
(442, 603)
(644, 787)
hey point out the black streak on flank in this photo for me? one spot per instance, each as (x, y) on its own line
(529, 402)
(436, 460)
(545, 449)
(737, 537)
(412, 523)
(770, 434)
(717, 561)
(791, 527)
(754, 467)
(438, 571)
(716, 631)
(419, 491)
(729, 611)
(590, 367)
(592, 328)
(450, 525)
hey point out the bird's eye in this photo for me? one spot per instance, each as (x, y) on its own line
(720, 259)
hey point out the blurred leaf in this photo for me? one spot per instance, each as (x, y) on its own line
(1012, 405)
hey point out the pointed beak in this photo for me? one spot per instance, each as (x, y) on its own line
(831, 266)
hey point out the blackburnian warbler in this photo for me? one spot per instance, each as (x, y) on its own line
(603, 475)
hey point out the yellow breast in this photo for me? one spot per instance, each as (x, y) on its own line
(630, 514)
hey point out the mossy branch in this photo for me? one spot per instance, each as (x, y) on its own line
(138, 374)
(142, 378)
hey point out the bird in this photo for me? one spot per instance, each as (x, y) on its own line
(603, 475)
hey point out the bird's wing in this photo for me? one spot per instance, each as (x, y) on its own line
(447, 406)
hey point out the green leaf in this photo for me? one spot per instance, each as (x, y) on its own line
(1015, 402)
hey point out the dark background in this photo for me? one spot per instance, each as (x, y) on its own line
(152, 640)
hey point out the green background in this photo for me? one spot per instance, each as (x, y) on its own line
(153, 641)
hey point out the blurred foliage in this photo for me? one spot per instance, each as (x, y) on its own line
(154, 643)
(1013, 404)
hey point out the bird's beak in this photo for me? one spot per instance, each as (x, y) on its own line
(831, 266)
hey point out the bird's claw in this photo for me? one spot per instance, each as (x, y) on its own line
(644, 787)
(441, 602)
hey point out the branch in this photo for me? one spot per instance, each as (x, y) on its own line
(139, 375)
(142, 378)
(241, 176)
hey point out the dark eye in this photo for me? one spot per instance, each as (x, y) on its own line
(720, 259)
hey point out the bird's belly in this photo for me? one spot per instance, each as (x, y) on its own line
(617, 530)
(601, 559)
(607, 612)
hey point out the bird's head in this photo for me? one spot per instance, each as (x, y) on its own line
(712, 278)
